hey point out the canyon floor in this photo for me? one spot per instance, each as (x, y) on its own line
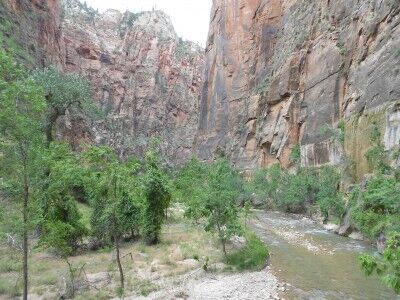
(307, 262)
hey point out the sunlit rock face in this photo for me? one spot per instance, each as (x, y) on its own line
(285, 72)
(145, 79)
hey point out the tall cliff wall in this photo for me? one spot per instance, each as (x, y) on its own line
(284, 72)
(145, 78)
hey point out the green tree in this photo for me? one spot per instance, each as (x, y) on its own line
(59, 196)
(188, 184)
(378, 208)
(217, 201)
(21, 111)
(388, 266)
(64, 92)
(157, 195)
(113, 188)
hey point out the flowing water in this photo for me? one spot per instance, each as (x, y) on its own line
(315, 263)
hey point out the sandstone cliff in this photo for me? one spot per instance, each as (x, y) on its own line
(285, 72)
(145, 78)
(31, 29)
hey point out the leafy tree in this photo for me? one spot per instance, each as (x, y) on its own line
(59, 197)
(113, 188)
(215, 201)
(64, 92)
(266, 183)
(57, 238)
(21, 140)
(297, 191)
(157, 198)
(188, 185)
(388, 266)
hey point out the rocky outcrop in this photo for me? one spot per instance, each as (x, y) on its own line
(31, 30)
(145, 79)
(285, 72)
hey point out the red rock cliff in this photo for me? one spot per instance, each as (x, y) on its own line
(31, 28)
(144, 77)
(285, 72)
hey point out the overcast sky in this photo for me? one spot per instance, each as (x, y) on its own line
(190, 17)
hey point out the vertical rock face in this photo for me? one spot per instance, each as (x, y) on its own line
(145, 78)
(284, 72)
(31, 29)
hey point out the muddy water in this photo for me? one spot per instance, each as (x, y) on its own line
(316, 264)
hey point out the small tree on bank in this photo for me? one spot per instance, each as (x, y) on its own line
(212, 200)
(220, 209)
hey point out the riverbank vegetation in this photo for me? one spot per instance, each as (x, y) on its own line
(68, 205)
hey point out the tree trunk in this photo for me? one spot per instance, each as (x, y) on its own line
(224, 248)
(121, 272)
(25, 233)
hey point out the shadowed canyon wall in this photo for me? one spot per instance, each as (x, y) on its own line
(282, 73)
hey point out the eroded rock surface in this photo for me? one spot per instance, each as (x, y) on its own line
(144, 77)
(31, 29)
(285, 72)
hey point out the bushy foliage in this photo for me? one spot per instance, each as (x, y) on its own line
(59, 198)
(157, 195)
(297, 191)
(253, 256)
(376, 155)
(388, 266)
(378, 206)
(114, 194)
(64, 92)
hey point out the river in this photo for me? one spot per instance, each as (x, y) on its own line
(315, 263)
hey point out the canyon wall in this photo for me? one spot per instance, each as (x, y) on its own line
(145, 78)
(31, 29)
(284, 75)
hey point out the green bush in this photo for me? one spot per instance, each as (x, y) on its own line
(252, 257)
(378, 206)
(387, 266)
(297, 192)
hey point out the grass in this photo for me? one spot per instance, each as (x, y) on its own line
(10, 286)
(253, 256)
(180, 240)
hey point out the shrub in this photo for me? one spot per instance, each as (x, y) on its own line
(252, 257)
(387, 266)
(378, 207)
